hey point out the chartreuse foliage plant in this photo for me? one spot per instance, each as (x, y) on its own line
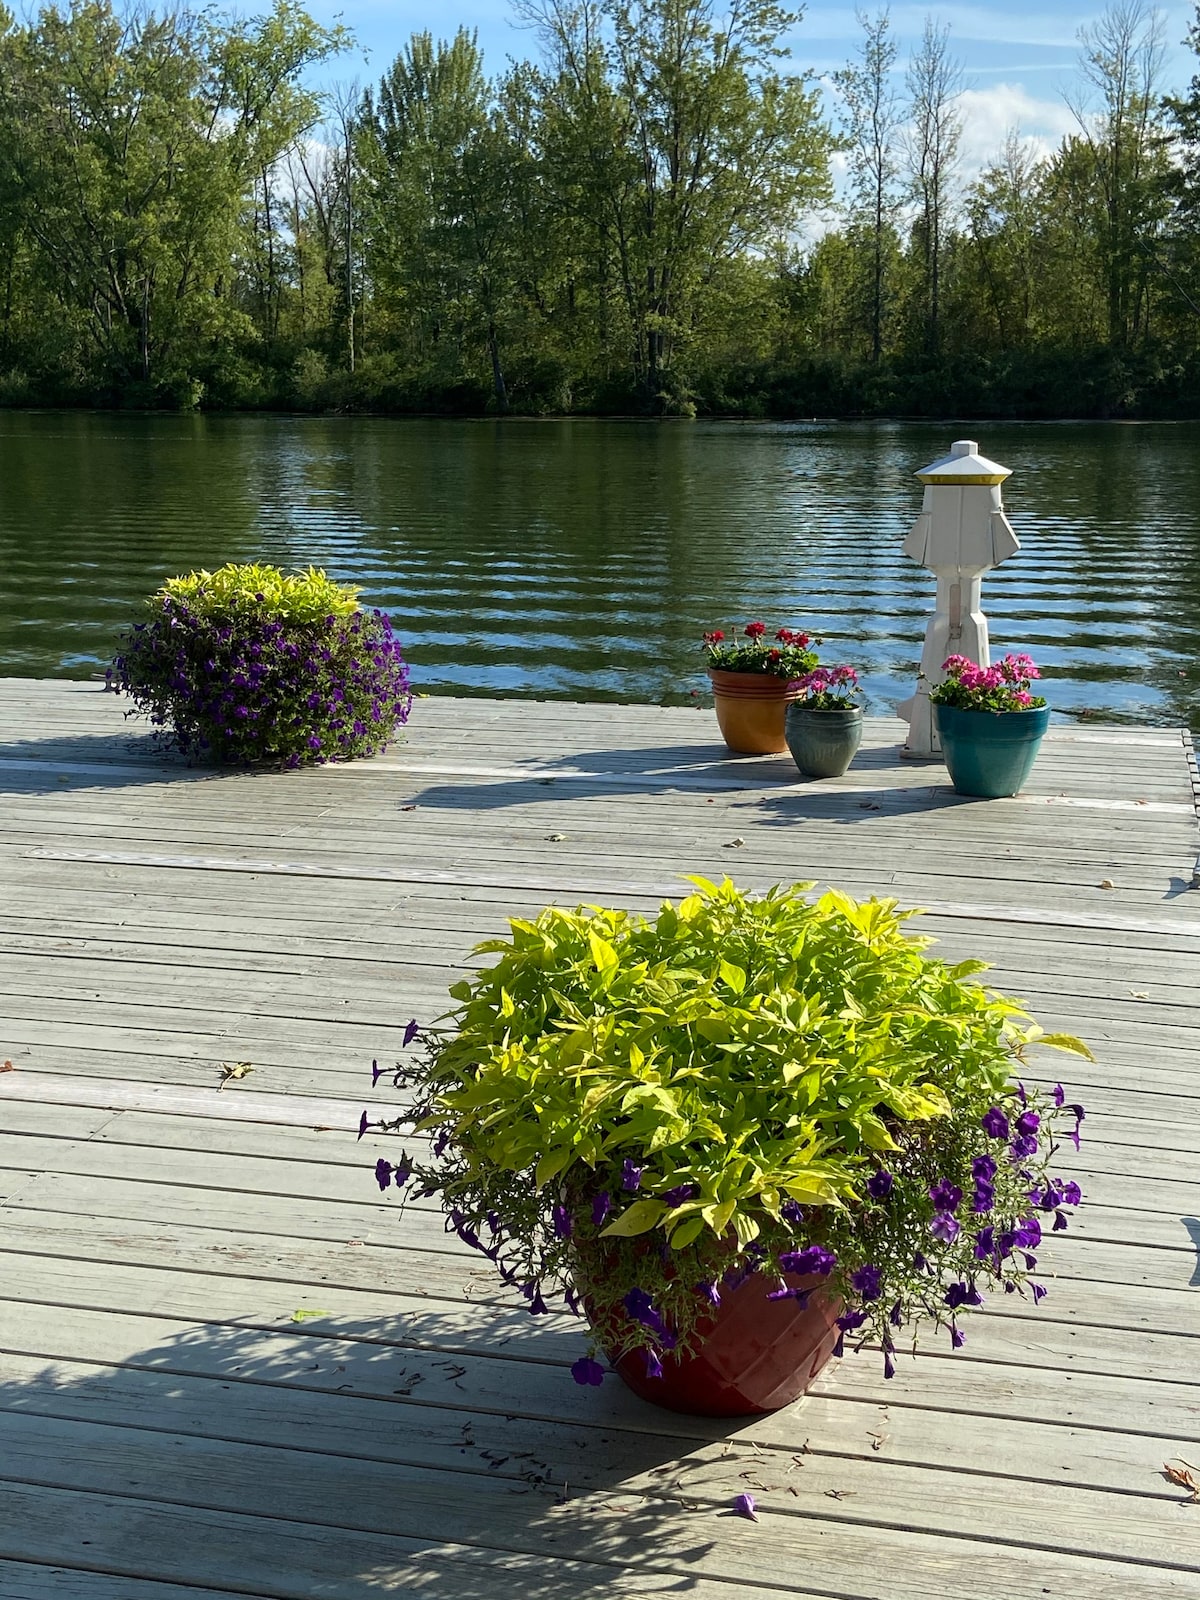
(250, 664)
(639, 1113)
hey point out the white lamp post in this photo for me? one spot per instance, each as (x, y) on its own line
(962, 533)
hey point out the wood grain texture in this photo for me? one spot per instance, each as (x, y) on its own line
(168, 1431)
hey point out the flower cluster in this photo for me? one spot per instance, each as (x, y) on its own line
(1004, 687)
(252, 683)
(831, 689)
(789, 656)
(644, 1170)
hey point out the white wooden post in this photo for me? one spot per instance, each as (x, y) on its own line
(962, 533)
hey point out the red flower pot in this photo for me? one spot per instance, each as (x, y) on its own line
(754, 1354)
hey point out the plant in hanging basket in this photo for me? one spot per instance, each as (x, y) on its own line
(746, 1096)
(249, 664)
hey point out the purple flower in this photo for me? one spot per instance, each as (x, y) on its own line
(868, 1281)
(562, 1222)
(944, 1228)
(587, 1371)
(682, 1192)
(880, 1184)
(411, 1031)
(631, 1175)
(376, 1073)
(1039, 1292)
(803, 1296)
(792, 1212)
(709, 1292)
(641, 1308)
(984, 1244)
(364, 1123)
(957, 1339)
(1028, 1122)
(1028, 1235)
(984, 1197)
(896, 1315)
(889, 1366)
(1072, 1194)
(1060, 1221)
(743, 1504)
(946, 1196)
(849, 1320)
(963, 1294)
(383, 1173)
(537, 1306)
(995, 1124)
(653, 1364)
(809, 1262)
(983, 1169)
(1059, 1095)
(1021, 1149)
(601, 1206)
(402, 1173)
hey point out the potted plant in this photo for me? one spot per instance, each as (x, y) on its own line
(248, 664)
(734, 1135)
(824, 727)
(753, 681)
(990, 724)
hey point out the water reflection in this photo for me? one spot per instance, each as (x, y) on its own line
(582, 559)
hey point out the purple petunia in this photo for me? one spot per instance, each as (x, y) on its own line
(1028, 1122)
(983, 1169)
(963, 1294)
(364, 1122)
(709, 1292)
(376, 1073)
(411, 1030)
(957, 1338)
(743, 1504)
(681, 1193)
(653, 1364)
(867, 1280)
(813, 1260)
(946, 1196)
(1059, 1094)
(631, 1175)
(601, 1206)
(561, 1221)
(880, 1184)
(792, 1212)
(383, 1173)
(995, 1124)
(850, 1320)
(945, 1228)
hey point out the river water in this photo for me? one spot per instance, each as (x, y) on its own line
(582, 559)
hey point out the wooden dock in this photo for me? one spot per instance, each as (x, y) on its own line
(227, 1369)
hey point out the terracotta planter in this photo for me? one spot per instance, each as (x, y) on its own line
(750, 708)
(756, 1356)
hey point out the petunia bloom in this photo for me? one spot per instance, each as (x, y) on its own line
(867, 1280)
(995, 1124)
(587, 1371)
(601, 1206)
(880, 1184)
(812, 1260)
(743, 1504)
(411, 1030)
(383, 1173)
(945, 1228)
(631, 1175)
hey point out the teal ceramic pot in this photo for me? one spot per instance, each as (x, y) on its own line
(990, 754)
(822, 743)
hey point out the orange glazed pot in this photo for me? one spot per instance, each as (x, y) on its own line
(750, 708)
(754, 1355)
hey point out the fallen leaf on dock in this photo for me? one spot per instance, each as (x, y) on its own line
(1140, 994)
(303, 1316)
(232, 1070)
(735, 844)
(8, 1067)
(1183, 1479)
(1107, 883)
(556, 838)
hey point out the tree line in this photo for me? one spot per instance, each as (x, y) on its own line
(640, 218)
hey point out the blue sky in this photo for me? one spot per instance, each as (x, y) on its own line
(1017, 57)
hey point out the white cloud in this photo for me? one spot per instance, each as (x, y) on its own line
(990, 115)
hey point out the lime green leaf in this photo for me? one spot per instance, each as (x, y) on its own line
(1065, 1041)
(640, 1217)
(687, 1230)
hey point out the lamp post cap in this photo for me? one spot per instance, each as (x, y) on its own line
(964, 465)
